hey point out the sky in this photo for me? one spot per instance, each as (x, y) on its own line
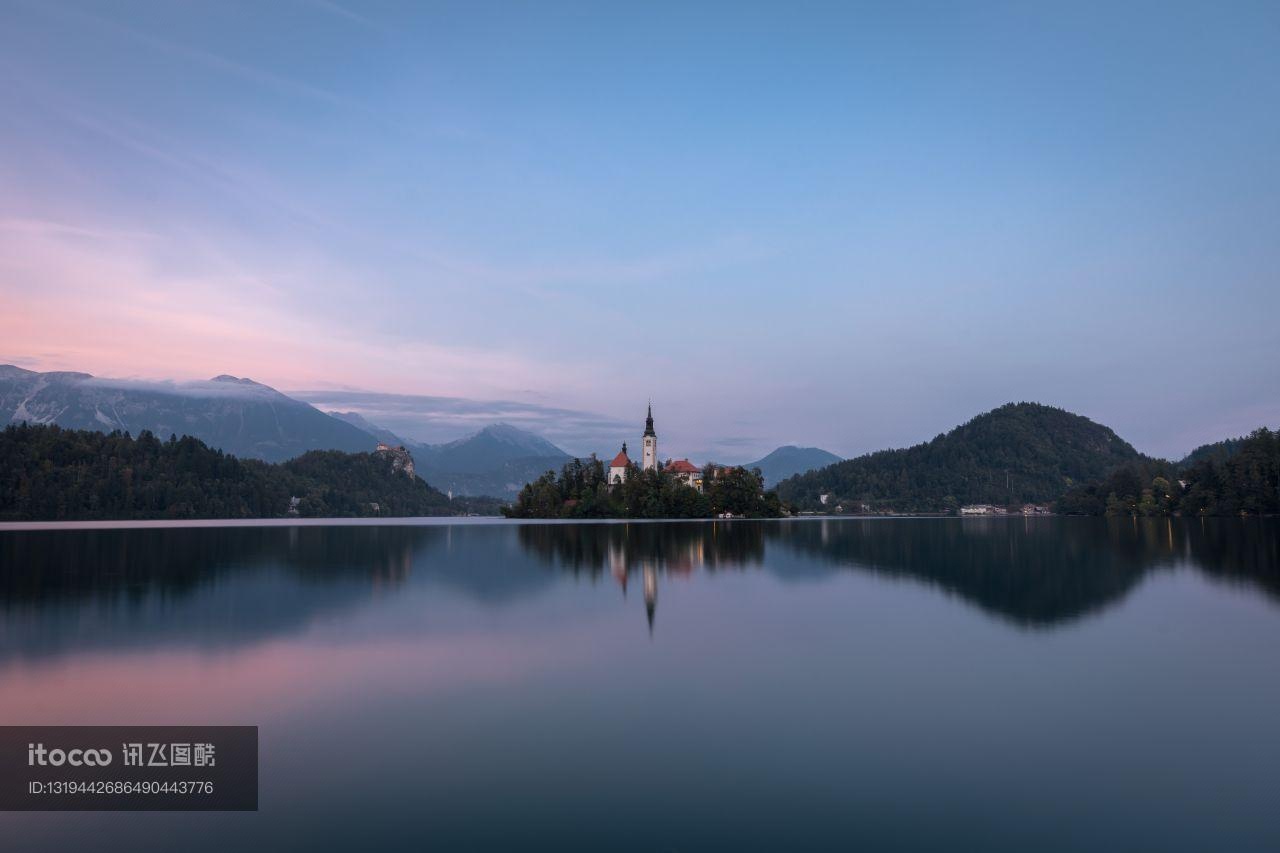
(849, 225)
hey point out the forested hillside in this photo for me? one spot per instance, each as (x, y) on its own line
(1235, 477)
(50, 473)
(1219, 451)
(1020, 452)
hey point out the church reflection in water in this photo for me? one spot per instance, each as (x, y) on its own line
(682, 561)
(648, 550)
(623, 563)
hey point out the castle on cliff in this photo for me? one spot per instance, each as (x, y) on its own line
(401, 460)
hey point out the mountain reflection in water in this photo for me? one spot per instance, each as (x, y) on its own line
(228, 586)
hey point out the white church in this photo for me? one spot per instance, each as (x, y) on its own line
(682, 469)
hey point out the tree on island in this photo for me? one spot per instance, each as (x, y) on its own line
(582, 490)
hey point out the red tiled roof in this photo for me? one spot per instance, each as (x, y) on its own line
(683, 466)
(621, 460)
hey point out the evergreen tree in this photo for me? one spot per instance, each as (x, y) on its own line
(581, 490)
(1245, 481)
(50, 473)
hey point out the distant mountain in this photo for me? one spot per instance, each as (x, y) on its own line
(492, 445)
(237, 416)
(253, 421)
(1020, 452)
(497, 461)
(789, 460)
(382, 434)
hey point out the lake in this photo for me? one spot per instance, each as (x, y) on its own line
(952, 684)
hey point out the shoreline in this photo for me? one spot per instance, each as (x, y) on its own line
(497, 520)
(443, 521)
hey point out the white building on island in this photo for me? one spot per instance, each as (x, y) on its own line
(681, 469)
(649, 461)
(619, 466)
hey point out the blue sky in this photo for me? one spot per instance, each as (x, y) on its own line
(847, 225)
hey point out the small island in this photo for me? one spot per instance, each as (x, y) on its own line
(584, 488)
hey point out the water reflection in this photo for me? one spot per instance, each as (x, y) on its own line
(62, 590)
(225, 587)
(49, 566)
(810, 684)
(1035, 572)
(623, 550)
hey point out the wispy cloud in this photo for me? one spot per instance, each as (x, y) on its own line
(201, 56)
(159, 149)
(112, 306)
(340, 11)
(45, 227)
(195, 389)
(434, 419)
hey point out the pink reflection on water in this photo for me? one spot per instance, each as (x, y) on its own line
(271, 680)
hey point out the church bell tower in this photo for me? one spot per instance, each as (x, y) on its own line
(649, 461)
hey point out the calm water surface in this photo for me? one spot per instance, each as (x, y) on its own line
(1004, 684)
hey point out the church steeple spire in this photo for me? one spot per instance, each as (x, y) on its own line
(649, 460)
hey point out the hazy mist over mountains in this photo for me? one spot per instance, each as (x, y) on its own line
(236, 415)
(425, 419)
(252, 420)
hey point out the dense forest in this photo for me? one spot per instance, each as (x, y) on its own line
(581, 490)
(1018, 453)
(1236, 477)
(50, 473)
(1219, 451)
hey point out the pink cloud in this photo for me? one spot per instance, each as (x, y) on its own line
(115, 303)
